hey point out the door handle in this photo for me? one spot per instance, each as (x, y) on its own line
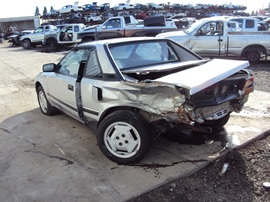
(219, 40)
(70, 87)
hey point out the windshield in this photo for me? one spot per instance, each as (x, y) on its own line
(193, 27)
(127, 55)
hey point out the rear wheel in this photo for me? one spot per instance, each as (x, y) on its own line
(26, 44)
(253, 56)
(124, 137)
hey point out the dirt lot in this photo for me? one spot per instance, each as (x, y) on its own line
(247, 177)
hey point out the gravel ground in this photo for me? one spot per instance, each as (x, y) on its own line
(247, 177)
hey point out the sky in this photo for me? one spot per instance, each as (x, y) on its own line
(21, 8)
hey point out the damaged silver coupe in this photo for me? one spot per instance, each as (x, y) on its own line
(129, 89)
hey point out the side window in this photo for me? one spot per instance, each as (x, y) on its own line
(93, 69)
(250, 24)
(114, 23)
(212, 29)
(39, 30)
(240, 22)
(47, 29)
(71, 63)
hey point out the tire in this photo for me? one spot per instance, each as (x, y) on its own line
(52, 44)
(253, 57)
(26, 44)
(217, 124)
(124, 137)
(44, 104)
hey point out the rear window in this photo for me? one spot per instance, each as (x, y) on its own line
(129, 55)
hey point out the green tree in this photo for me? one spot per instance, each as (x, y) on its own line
(51, 9)
(37, 12)
(45, 11)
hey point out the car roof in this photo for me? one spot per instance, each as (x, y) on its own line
(118, 40)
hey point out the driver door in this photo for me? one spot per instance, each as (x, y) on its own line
(209, 40)
(62, 86)
(112, 29)
(38, 34)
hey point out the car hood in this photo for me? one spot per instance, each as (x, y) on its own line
(200, 77)
(12, 36)
(172, 34)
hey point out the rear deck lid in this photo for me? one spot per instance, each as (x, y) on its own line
(200, 77)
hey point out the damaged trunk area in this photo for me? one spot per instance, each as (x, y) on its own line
(203, 111)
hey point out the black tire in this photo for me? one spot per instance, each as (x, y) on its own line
(253, 57)
(26, 44)
(52, 44)
(217, 124)
(44, 104)
(124, 137)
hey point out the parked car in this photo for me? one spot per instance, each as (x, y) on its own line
(122, 6)
(139, 6)
(249, 24)
(154, 6)
(141, 16)
(93, 18)
(90, 7)
(14, 39)
(178, 6)
(69, 8)
(200, 6)
(131, 89)
(104, 7)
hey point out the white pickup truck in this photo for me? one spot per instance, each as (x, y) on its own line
(31, 40)
(52, 36)
(210, 37)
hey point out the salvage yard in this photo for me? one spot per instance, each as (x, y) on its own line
(57, 158)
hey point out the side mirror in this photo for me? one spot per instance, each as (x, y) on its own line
(49, 67)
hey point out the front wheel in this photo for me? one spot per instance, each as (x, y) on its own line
(26, 43)
(124, 137)
(44, 104)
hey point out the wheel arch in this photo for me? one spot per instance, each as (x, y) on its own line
(26, 39)
(113, 109)
(37, 85)
(254, 47)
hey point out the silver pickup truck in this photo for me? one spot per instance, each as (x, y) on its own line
(210, 37)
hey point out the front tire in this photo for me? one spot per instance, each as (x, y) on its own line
(26, 44)
(124, 137)
(44, 104)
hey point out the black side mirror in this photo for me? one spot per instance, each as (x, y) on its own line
(51, 67)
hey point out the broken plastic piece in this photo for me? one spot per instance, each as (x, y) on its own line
(224, 168)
